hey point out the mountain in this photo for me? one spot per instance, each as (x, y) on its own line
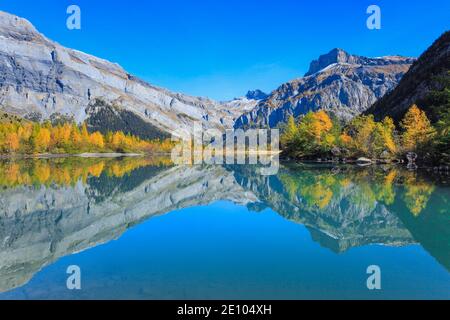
(256, 95)
(423, 77)
(243, 104)
(40, 79)
(343, 84)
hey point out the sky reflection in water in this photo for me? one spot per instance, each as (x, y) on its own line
(148, 230)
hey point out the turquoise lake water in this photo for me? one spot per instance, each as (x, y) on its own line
(148, 230)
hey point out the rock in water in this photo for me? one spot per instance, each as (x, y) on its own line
(412, 157)
(364, 161)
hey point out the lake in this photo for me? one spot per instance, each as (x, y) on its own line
(142, 228)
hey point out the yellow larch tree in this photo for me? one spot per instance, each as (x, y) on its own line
(417, 129)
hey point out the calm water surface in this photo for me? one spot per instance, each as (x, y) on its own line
(144, 229)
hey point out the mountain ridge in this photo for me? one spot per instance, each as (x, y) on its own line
(417, 84)
(340, 56)
(344, 85)
(40, 78)
(43, 80)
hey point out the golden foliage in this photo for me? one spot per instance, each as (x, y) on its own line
(364, 188)
(68, 171)
(321, 124)
(35, 138)
(317, 134)
(417, 129)
(417, 193)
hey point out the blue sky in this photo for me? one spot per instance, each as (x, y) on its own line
(222, 48)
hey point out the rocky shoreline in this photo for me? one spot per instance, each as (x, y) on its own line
(364, 162)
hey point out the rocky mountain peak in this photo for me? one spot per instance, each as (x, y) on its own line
(344, 85)
(339, 56)
(42, 80)
(256, 95)
(334, 56)
(12, 26)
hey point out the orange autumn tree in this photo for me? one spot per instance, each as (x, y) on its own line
(96, 140)
(320, 124)
(364, 136)
(34, 138)
(75, 137)
(417, 130)
(315, 133)
(386, 130)
(12, 142)
(42, 140)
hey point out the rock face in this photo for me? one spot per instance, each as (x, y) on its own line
(343, 84)
(423, 77)
(40, 79)
(256, 95)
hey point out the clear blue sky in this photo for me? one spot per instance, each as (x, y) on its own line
(222, 48)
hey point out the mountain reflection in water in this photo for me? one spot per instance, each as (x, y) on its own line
(51, 208)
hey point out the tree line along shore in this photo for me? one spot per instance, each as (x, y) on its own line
(21, 137)
(317, 136)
